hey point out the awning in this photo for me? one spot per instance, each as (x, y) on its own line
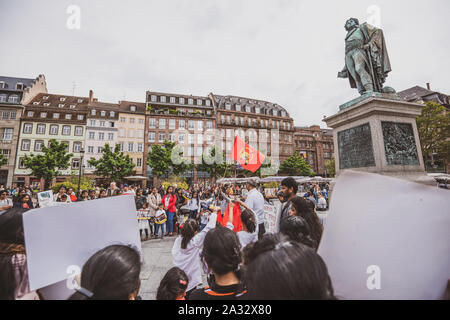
(136, 178)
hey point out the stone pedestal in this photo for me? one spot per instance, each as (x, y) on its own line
(378, 133)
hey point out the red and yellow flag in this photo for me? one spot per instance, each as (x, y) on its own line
(248, 157)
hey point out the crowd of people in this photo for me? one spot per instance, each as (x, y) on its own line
(218, 233)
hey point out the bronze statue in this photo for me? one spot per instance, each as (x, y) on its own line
(366, 59)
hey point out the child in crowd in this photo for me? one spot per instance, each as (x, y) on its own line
(173, 286)
(160, 220)
(204, 217)
(143, 221)
(110, 274)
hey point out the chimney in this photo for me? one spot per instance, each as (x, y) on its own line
(91, 96)
(428, 86)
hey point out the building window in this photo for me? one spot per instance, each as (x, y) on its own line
(171, 124)
(54, 129)
(7, 134)
(111, 124)
(161, 137)
(78, 131)
(43, 114)
(75, 163)
(112, 114)
(101, 136)
(66, 130)
(80, 117)
(153, 98)
(131, 133)
(102, 123)
(139, 162)
(28, 128)
(90, 149)
(122, 146)
(91, 135)
(181, 124)
(162, 123)
(151, 137)
(190, 101)
(190, 138)
(181, 138)
(131, 120)
(40, 129)
(76, 146)
(140, 147)
(93, 112)
(209, 124)
(56, 116)
(92, 123)
(141, 121)
(163, 99)
(208, 103)
(26, 145)
(122, 119)
(61, 105)
(30, 113)
(200, 138)
(68, 116)
(248, 108)
(132, 108)
(130, 146)
(122, 132)
(140, 133)
(152, 123)
(199, 102)
(181, 101)
(99, 149)
(13, 98)
(2, 97)
(21, 164)
(5, 115)
(200, 125)
(222, 118)
(110, 136)
(38, 145)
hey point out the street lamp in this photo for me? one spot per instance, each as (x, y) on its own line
(79, 175)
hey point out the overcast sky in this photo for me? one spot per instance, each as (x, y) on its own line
(283, 51)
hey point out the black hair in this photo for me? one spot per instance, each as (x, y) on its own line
(222, 251)
(111, 274)
(11, 233)
(249, 220)
(297, 229)
(290, 182)
(279, 269)
(188, 232)
(305, 209)
(173, 284)
(61, 186)
(22, 197)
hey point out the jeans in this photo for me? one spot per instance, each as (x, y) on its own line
(157, 229)
(169, 222)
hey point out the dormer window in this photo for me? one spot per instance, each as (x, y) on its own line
(102, 113)
(228, 106)
(133, 108)
(19, 86)
(36, 103)
(93, 112)
(238, 107)
(199, 102)
(256, 109)
(43, 114)
(208, 103)
(46, 104)
(13, 98)
(68, 116)
(111, 114)
(163, 99)
(45, 97)
(172, 99)
(190, 101)
(72, 106)
(248, 108)
(62, 99)
(2, 84)
(61, 105)
(80, 100)
(181, 101)
(30, 113)
(56, 116)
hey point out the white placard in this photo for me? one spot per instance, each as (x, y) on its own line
(270, 218)
(58, 239)
(45, 198)
(387, 238)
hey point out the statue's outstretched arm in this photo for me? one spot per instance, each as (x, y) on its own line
(343, 73)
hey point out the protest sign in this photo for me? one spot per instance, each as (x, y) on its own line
(45, 198)
(270, 218)
(389, 240)
(61, 239)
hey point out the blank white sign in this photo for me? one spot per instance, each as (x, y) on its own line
(387, 238)
(63, 236)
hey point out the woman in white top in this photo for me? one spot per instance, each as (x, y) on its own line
(248, 233)
(194, 205)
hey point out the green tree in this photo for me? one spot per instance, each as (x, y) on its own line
(330, 165)
(167, 158)
(112, 165)
(214, 162)
(296, 165)
(47, 164)
(434, 133)
(3, 160)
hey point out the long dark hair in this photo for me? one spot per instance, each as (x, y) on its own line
(188, 232)
(222, 251)
(249, 220)
(12, 236)
(173, 284)
(297, 229)
(280, 269)
(111, 274)
(305, 209)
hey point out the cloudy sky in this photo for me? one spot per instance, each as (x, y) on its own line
(283, 51)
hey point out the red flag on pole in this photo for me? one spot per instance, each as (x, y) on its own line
(248, 157)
